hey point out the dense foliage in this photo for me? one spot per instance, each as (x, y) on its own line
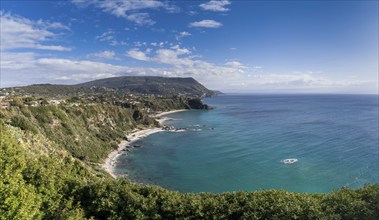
(37, 182)
(49, 170)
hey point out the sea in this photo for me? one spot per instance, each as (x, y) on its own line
(241, 145)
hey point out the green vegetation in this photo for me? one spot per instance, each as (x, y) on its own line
(152, 85)
(140, 85)
(49, 169)
(36, 180)
(86, 131)
(89, 127)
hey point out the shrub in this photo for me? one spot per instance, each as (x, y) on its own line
(23, 123)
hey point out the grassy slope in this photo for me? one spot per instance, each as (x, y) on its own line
(47, 173)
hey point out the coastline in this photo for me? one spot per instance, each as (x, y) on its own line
(135, 135)
(169, 112)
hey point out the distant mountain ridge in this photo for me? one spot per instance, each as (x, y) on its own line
(166, 86)
(149, 85)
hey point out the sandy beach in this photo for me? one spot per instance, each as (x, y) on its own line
(135, 135)
(170, 112)
(159, 117)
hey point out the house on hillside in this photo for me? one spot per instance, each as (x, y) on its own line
(4, 104)
(32, 103)
(55, 102)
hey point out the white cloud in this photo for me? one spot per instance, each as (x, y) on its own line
(234, 64)
(172, 57)
(106, 36)
(15, 61)
(141, 19)
(128, 9)
(27, 68)
(156, 44)
(215, 5)
(18, 32)
(182, 34)
(192, 13)
(137, 54)
(140, 44)
(183, 63)
(107, 54)
(120, 7)
(85, 77)
(110, 37)
(51, 47)
(206, 24)
(180, 51)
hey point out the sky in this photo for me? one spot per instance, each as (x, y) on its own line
(227, 45)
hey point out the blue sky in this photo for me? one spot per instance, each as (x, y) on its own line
(232, 46)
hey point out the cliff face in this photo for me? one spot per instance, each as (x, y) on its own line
(90, 129)
(87, 132)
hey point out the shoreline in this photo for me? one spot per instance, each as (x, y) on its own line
(135, 135)
(170, 112)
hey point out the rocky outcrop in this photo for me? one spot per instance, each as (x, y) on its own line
(198, 104)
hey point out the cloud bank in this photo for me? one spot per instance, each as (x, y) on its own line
(20, 33)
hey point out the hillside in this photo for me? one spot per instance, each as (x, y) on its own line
(145, 85)
(152, 85)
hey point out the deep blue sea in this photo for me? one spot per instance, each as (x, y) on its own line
(240, 145)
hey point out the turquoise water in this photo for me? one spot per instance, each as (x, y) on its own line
(240, 145)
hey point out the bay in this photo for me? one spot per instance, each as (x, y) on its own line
(241, 145)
